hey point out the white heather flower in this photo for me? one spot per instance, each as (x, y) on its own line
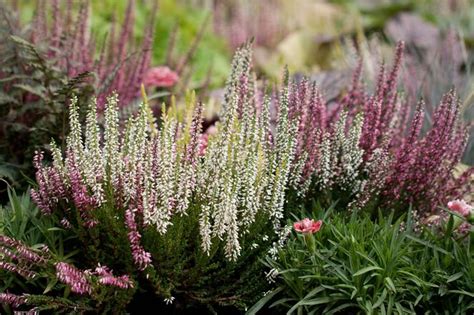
(112, 152)
(58, 163)
(272, 275)
(74, 139)
(94, 169)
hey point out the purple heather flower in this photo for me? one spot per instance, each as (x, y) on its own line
(141, 258)
(122, 282)
(22, 251)
(73, 277)
(14, 268)
(12, 299)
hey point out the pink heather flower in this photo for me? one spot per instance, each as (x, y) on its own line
(460, 206)
(8, 253)
(102, 270)
(14, 268)
(141, 257)
(307, 226)
(160, 77)
(21, 250)
(203, 139)
(73, 277)
(122, 282)
(12, 299)
(65, 223)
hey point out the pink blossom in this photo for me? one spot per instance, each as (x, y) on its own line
(141, 257)
(307, 226)
(12, 299)
(160, 77)
(14, 268)
(460, 206)
(21, 250)
(73, 277)
(122, 282)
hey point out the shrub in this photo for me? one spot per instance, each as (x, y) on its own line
(363, 151)
(148, 203)
(178, 212)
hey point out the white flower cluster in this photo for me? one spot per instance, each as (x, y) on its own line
(341, 156)
(244, 173)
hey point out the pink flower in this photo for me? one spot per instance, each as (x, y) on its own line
(307, 226)
(73, 277)
(12, 299)
(160, 77)
(460, 206)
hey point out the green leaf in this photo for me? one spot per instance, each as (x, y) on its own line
(389, 283)
(471, 294)
(257, 306)
(381, 299)
(455, 277)
(365, 270)
(340, 308)
(50, 285)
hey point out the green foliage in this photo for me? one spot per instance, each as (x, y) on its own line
(22, 221)
(195, 278)
(366, 267)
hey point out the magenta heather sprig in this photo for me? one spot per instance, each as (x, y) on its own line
(74, 278)
(122, 282)
(12, 299)
(16, 269)
(141, 258)
(106, 277)
(21, 250)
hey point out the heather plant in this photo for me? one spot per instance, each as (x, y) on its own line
(148, 203)
(365, 151)
(358, 266)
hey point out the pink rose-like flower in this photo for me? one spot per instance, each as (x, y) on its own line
(307, 226)
(160, 77)
(460, 206)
